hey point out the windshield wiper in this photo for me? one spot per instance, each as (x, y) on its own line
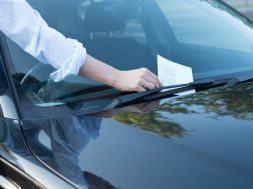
(170, 91)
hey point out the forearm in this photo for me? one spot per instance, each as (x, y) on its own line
(99, 71)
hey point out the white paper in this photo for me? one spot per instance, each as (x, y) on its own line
(171, 73)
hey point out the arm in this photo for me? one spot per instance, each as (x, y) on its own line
(133, 80)
(26, 27)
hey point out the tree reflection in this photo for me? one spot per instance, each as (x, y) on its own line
(234, 102)
(215, 103)
(148, 118)
(147, 122)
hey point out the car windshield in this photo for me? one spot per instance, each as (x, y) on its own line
(205, 35)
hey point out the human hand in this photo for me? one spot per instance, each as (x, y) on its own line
(138, 80)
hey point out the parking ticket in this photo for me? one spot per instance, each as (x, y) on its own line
(171, 73)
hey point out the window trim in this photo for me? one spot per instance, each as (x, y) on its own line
(7, 65)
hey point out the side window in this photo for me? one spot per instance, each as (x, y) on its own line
(27, 68)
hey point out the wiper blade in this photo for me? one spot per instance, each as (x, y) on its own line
(202, 85)
(169, 91)
(173, 89)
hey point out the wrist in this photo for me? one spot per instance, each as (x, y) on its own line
(114, 78)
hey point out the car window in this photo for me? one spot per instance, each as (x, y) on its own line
(111, 32)
(197, 23)
(212, 39)
(130, 34)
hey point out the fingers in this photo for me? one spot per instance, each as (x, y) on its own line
(138, 80)
(153, 81)
(140, 89)
(152, 78)
(155, 78)
(148, 85)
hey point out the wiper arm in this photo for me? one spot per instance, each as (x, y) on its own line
(175, 89)
(202, 85)
(239, 79)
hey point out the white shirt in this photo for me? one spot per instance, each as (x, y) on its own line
(27, 28)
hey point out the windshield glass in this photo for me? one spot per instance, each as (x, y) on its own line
(204, 35)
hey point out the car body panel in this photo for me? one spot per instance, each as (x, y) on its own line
(202, 140)
(17, 162)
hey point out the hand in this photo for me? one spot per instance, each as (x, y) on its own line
(138, 80)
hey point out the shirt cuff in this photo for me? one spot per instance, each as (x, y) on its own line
(72, 65)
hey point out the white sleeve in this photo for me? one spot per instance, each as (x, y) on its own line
(27, 28)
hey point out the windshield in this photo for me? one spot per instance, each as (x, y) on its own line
(204, 35)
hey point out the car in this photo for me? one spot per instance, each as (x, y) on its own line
(78, 133)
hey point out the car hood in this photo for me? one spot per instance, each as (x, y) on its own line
(201, 140)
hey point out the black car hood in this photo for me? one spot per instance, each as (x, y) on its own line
(202, 140)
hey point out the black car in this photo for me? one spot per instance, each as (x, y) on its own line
(78, 133)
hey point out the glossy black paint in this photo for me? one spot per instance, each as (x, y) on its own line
(16, 160)
(27, 171)
(202, 140)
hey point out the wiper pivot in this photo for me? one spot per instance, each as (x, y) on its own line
(239, 79)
